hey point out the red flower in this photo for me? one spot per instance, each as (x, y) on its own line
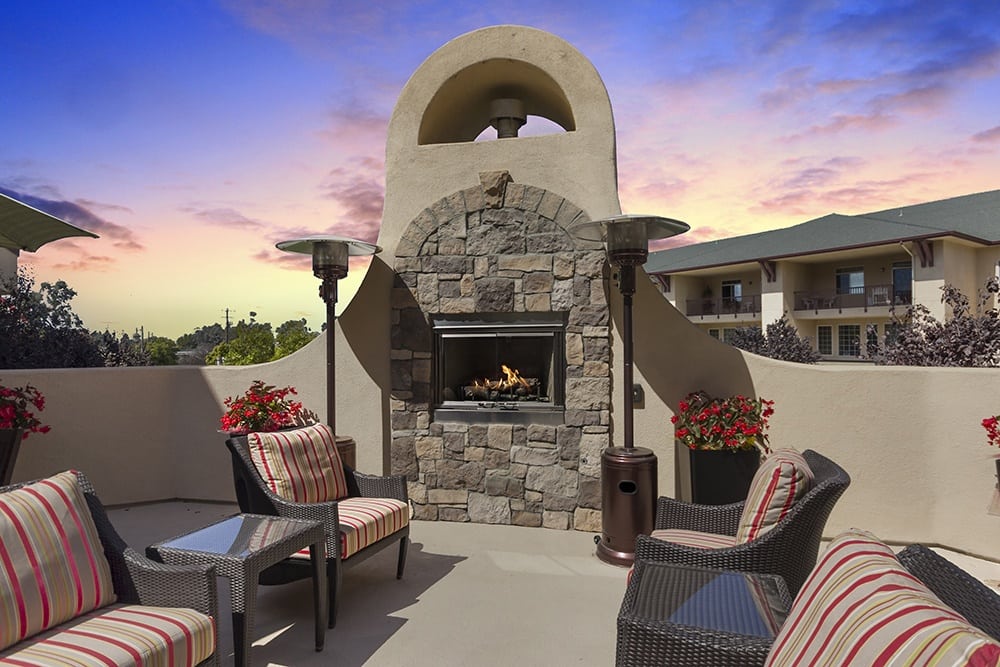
(261, 408)
(737, 422)
(15, 409)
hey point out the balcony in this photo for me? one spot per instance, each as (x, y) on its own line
(746, 307)
(870, 296)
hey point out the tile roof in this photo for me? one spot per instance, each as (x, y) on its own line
(975, 216)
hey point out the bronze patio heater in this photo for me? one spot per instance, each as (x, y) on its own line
(329, 262)
(628, 473)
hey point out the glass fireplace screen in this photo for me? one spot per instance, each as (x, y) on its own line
(511, 362)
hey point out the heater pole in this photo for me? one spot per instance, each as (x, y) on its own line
(626, 283)
(328, 292)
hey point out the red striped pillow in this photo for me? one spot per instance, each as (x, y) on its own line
(778, 484)
(859, 606)
(52, 564)
(301, 465)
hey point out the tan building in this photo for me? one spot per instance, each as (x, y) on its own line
(837, 278)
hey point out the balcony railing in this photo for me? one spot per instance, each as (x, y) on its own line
(748, 304)
(870, 296)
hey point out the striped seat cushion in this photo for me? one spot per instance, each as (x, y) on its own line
(859, 606)
(780, 482)
(301, 465)
(52, 564)
(693, 538)
(125, 635)
(364, 521)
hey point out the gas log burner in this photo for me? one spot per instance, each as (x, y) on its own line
(503, 367)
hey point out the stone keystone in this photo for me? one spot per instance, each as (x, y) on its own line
(494, 187)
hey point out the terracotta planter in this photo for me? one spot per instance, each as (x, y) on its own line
(10, 445)
(721, 477)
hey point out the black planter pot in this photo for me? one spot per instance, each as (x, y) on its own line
(720, 477)
(10, 445)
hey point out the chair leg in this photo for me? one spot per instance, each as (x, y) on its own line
(401, 563)
(333, 584)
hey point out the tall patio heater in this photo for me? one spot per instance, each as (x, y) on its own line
(330, 263)
(628, 473)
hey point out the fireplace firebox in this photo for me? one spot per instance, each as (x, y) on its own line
(499, 367)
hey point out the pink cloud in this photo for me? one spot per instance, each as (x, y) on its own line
(226, 217)
(987, 136)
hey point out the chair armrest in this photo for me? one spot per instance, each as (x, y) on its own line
(375, 486)
(159, 585)
(718, 519)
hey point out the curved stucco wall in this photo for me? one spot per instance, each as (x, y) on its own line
(578, 165)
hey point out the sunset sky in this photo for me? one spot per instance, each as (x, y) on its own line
(192, 135)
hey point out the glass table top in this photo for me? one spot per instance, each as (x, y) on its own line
(240, 535)
(747, 604)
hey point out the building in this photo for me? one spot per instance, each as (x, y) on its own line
(837, 278)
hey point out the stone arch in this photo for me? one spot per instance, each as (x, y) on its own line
(460, 109)
(501, 247)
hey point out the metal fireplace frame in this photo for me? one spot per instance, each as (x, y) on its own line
(446, 326)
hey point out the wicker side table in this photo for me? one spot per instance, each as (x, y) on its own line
(681, 615)
(241, 547)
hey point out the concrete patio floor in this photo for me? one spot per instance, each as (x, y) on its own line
(472, 594)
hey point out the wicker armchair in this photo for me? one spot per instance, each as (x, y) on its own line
(255, 497)
(956, 588)
(788, 550)
(139, 580)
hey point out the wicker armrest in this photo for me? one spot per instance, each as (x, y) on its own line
(376, 486)
(718, 519)
(158, 585)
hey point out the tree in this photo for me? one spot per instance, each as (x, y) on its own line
(39, 329)
(782, 341)
(253, 344)
(971, 337)
(122, 351)
(162, 351)
(291, 336)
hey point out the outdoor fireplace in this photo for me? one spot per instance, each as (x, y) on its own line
(506, 367)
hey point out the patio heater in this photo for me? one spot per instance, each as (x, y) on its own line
(628, 473)
(330, 263)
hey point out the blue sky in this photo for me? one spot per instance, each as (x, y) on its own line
(193, 135)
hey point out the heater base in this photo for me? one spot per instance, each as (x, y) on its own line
(609, 555)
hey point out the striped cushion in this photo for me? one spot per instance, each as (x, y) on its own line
(693, 538)
(301, 465)
(859, 606)
(778, 484)
(52, 564)
(127, 635)
(364, 521)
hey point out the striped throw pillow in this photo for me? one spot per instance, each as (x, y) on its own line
(301, 465)
(780, 482)
(859, 606)
(52, 564)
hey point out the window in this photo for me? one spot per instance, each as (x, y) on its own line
(849, 340)
(824, 339)
(714, 333)
(851, 280)
(902, 283)
(871, 340)
(727, 335)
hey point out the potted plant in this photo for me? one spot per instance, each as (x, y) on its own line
(17, 421)
(724, 438)
(262, 408)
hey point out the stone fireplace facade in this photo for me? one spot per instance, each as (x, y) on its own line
(501, 247)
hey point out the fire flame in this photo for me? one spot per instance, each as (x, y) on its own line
(513, 379)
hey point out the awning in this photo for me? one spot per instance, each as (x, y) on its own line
(25, 228)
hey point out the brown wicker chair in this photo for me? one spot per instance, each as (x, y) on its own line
(788, 550)
(255, 497)
(956, 587)
(139, 580)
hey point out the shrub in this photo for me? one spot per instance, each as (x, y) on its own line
(782, 341)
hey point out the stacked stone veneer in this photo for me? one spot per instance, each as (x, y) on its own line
(501, 247)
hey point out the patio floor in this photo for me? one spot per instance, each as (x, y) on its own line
(472, 594)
